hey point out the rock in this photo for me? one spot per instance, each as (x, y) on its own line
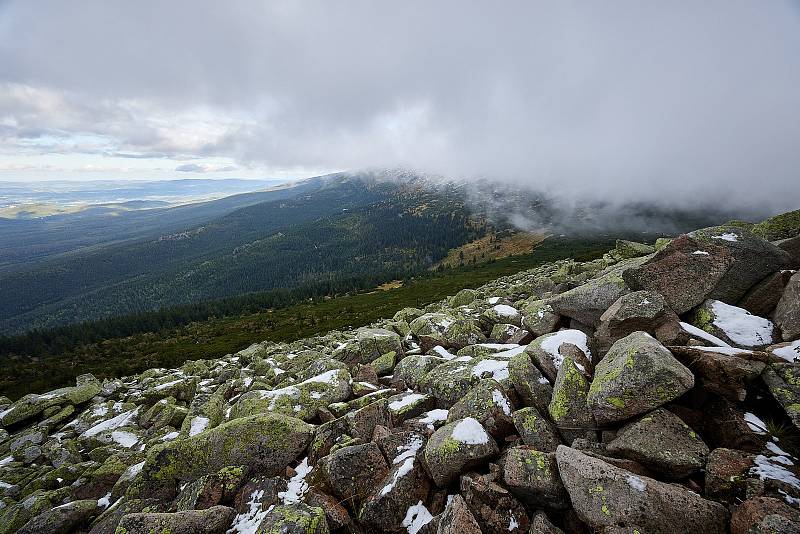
(406, 406)
(447, 331)
(31, 405)
(764, 296)
(787, 311)
(336, 515)
(492, 505)
(783, 381)
(532, 476)
(300, 400)
(726, 475)
(568, 408)
(645, 311)
(724, 425)
(545, 351)
(488, 403)
(61, 519)
(457, 519)
(789, 351)
(375, 342)
(542, 525)
(353, 473)
(722, 370)
(463, 298)
(605, 496)
(361, 423)
(533, 388)
(662, 442)
(404, 486)
(535, 430)
(452, 380)
(587, 302)
(734, 325)
(637, 375)
(214, 520)
(781, 226)
(503, 314)
(261, 444)
(411, 370)
(383, 365)
(502, 332)
(296, 518)
(765, 515)
(457, 446)
(210, 490)
(792, 247)
(539, 317)
(177, 385)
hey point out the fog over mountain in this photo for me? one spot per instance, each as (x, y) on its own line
(680, 103)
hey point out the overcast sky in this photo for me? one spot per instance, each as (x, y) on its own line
(671, 100)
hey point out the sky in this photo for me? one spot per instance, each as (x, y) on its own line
(681, 102)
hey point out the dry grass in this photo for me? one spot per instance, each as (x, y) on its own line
(493, 247)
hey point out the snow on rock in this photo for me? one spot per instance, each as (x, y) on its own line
(297, 486)
(727, 236)
(636, 483)
(122, 419)
(741, 327)
(702, 334)
(504, 310)
(502, 401)
(417, 517)
(469, 431)
(434, 416)
(494, 368)
(408, 400)
(552, 343)
(248, 521)
(756, 425)
(790, 353)
(126, 439)
(406, 461)
(199, 423)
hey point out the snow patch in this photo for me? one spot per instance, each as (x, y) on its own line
(742, 327)
(765, 468)
(756, 425)
(504, 310)
(408, 400)
(470, 432)
(498, 369)
(553, 342)
(727, 236)
(297, 486)
(417, 517)
(636, 483)
(115, 422)
(126, 439)
(434, 416)
(790, 353)
(199, 423)
(501, 400)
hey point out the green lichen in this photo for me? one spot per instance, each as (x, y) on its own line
(616, 402)
(704, 320)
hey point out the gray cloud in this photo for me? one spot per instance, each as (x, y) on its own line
(624, 100)
(204, 168)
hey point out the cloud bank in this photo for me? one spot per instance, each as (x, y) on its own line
(681, 102)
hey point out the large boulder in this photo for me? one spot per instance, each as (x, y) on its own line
(452, 380)
(662, 442)
(531, 387)
(494, 507)
(787, 312)
(568, 408)
(587, 302)
(263, 444)
(375, 342)
(637, 375)
(645, 311)
(31, 405)
(300, 400)
(783, 381)
(546, 351)
(721, 262)
(725, 371)
(455, 447)
(297, 518)
(783, 226)
(488, 403)
(457, 519)
(353, 473)
(539, 317)
(606, 497)
(65, 518)
(215, 520)
(535, 430)
(532, 476)
(449, 331)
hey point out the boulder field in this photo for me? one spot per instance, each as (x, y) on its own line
(653, 390)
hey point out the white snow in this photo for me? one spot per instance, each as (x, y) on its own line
(408, 400)
(164, 386)
(756, 425)
(510, 353)
(636, 483)
(776, 450)
(126, 439)
(790, 353)
(498, 369)
(512, 524)
(199, 423)
(701, 253)
(470, 432)
(742, 327)
(434, 416)
(494, 300)
(105, 500)
(110, 424)
(249, 521)
(132, 471)
(553, 342)
(328, 377)
(501, 400)
(443, 353)
(417, 517)
(297, 486)
(727, 236)
(730, 351)
(498, 346)
(8, 459)
(504, 310)
(100, 411)
(765, 468)
(170, 436)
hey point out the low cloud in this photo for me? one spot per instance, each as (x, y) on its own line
(676, 103)
(204, 168)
